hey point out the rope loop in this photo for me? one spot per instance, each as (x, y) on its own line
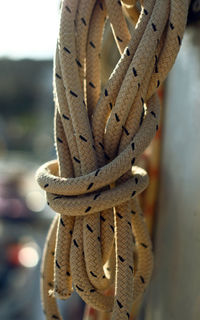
(98, 243)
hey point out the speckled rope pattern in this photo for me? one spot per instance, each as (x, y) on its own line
(99, 237)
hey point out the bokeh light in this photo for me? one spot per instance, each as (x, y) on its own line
(35, 201)
(29, 256)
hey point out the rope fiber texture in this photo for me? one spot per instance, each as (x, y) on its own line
(99, 239)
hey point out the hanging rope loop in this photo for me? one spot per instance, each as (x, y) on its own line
(99, 241)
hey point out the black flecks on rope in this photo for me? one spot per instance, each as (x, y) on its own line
(171, 26)
(133, 161)
(106, 156)
(58, 197)
(102, 218)
(154, 27)
(90, 186)
(153, 114)
(89, 228)
(62, 222)
(65, 117)
(73, 93)
(134, 72)
(78, 63)
(125, 130)
(101, 145)
(76, 159)
(93, 274)
(75, 243)
(144, 245)
(121, 258)
(92, 44)
(119, 39)
(142, 279)
(57, 265)
(156, 64)
(59, 140)
(55, 317)
(50, 284)
(67, 50)
(116, 117)
(84, 22)
(83, 138)
(92, 85)
(88, 209)
(97, 172)
(96, 196)
(58, 76)
(133, 193)
(119, 215)
(101, 6)
(68, 9)
(79, 288)
(127, 52)
(119, 304)
(131, 268)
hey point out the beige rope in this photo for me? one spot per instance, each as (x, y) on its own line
(99, 237)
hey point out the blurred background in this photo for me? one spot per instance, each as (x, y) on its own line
(28, 33)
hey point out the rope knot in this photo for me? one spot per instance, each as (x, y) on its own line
(99, 239)
(70, 200)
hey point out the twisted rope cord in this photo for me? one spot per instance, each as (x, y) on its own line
(99, 238)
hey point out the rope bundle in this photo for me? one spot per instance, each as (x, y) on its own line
(99, 238)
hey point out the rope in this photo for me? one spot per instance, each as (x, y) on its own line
(99, 238)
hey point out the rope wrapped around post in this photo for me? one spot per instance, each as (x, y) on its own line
(99, 238)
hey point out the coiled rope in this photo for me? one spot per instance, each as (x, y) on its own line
(99, 237)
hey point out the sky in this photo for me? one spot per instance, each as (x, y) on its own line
(28, 29)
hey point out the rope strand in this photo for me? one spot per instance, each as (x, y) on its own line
(95, 182)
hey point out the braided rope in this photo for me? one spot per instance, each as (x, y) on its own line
(99, 238)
